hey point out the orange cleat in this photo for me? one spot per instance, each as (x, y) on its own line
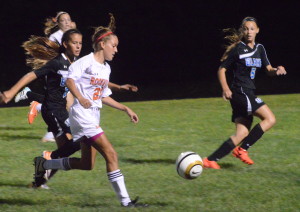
(210, 164)
(47, 155)
(242, 154)
(32, 112)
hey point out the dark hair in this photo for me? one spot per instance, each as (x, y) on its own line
(67, 36)
(235, 36)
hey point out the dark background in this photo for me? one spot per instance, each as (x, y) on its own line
(169, 49)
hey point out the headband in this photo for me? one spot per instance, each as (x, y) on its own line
(57, 16)
(250, 19)
(102, 36)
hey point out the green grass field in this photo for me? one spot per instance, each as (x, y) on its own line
(147, 153)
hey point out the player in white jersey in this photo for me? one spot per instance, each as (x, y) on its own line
(245, 58)
(54, 29)
(88, 81)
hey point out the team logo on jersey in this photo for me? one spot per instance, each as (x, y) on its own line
(259, 100)
(256, 62)
(65, 66)
(245, 50)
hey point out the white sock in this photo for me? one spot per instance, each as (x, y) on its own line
(62, 163)
(117, 181)
(38, 107)
(49, 135)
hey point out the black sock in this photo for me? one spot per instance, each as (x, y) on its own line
(66, 150)
(255, 134)
(223, 150)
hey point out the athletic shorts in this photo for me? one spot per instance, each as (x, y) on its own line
(57, 121)
(84, 122)
(244, 103)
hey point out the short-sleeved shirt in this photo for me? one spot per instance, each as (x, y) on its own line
(91, 79)
(54, 73)
(56, 36)
(245, 62)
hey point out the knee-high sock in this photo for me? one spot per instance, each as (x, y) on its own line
(66, 150)
(222, 151)
(255, 134)
(117, 181)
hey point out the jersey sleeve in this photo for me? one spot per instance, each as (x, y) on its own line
(48, 68)
(75, 71)
(106, 92)
(264, 59)
(231, 59)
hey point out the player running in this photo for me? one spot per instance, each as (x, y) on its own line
(88, 81)
(245, 58)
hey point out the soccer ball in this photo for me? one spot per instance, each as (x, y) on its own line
(189, 165)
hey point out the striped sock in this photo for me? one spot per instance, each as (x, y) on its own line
(117, 181)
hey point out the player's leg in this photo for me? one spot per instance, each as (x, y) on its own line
(267, 121)
(242, 130)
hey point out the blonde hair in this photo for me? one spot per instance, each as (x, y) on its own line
(103, 33)
(51, 24)
(40, 50)
(234, 37)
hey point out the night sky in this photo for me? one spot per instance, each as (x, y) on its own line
(169, 49)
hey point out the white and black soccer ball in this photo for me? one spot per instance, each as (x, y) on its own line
(189, 165)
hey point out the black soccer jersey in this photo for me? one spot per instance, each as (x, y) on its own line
(245, 62)
(55, 74)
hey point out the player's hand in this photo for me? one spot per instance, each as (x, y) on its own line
(133, 117)
(3, 98)
(129, 87)
(227, 94)
(85, 103)
(280, 71)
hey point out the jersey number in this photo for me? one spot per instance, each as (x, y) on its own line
(97, 93)
(252, 73)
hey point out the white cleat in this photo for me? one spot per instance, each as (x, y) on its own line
(22, 95)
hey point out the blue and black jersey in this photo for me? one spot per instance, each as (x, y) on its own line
(55, 73)
(245, 62)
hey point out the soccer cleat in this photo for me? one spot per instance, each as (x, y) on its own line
(242, 154)
(43, 186)
(134, 204)
(48, 137)
(32, 112)
(210, 164)
(39, 171)
(47, 155)
(22, 95)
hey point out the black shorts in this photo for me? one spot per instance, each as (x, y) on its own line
(244, 103)
(57, 121)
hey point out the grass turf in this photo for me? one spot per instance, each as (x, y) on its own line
(147, 153)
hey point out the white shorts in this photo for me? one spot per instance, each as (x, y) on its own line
(84, 122)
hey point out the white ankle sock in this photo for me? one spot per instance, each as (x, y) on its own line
(38, 107)
(117, 181)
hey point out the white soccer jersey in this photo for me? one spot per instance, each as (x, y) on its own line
(56, 36)
(91, 79)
